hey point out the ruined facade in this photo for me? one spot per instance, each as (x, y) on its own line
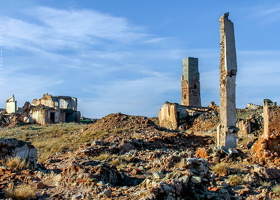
(190, 83)
(227, 131)
(11, 105)
(52, 109)
(57, 102)
(173, 115)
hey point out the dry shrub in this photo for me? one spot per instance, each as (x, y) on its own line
(235, 180)
(121, 161)
(118, 162)
(265, 184)
(105, 156)
(16, 163)
(21, 192)
(276, 189)
(220, 168)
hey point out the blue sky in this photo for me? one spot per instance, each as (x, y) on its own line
(126, 55)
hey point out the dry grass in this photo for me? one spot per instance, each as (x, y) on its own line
(220, 168)
(235, 180)
(118, 162)
(104, 156)
(52, 138)
(265, 184)
(121, 161)
(276, 189)
(21, 192)
(49, 139)
(16, 163)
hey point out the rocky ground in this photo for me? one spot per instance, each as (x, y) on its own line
(135, 159)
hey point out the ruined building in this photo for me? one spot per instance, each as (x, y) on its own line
(190, 83)
(51, 109)
(11, 105)
(48, 109)
(227, 131)
(173, 115)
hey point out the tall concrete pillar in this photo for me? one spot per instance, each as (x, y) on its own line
(190, 83)
(227, 131)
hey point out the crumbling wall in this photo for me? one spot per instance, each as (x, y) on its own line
(253, 106)
(66, 102)
(43, 115)
(38, 115)
(46, 100)
(11, 105)
(267, 148)
(168, 116)
(244, 126)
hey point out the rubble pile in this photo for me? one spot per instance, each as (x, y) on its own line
(11, 147)
(119, 122)
(206, 122)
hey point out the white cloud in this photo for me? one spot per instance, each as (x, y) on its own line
(111, 65)
(266, 12)
(101, 59)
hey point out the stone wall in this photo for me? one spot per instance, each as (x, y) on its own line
(168, 116)
(11, 105)
(46, 100)
(267, 148)
(173, 115)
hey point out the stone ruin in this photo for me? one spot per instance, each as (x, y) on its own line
(227, 131)
(267, 148)
(173, 115)
(11, 147)
(11, 105)
(49, 109)
(190, 83)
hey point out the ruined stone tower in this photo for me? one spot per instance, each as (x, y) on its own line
(190, 83)
(227, 131)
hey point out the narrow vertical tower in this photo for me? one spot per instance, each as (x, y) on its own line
(227, 131)
(190, 83)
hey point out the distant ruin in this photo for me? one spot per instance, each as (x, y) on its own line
(227, 130)
(11, 105)
(190, 83)
(173, 115)
(49, 109)
(52, 109)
